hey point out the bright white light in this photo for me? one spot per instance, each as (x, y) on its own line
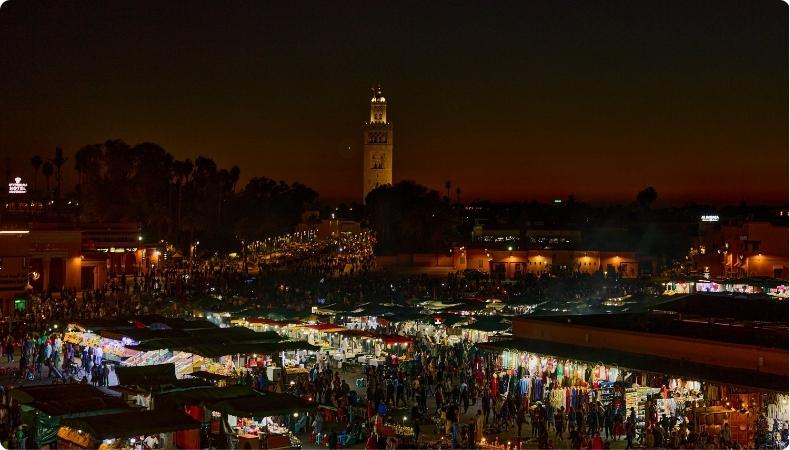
(17, 187)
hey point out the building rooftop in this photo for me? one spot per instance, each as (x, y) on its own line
(68, 400)
(758, 322)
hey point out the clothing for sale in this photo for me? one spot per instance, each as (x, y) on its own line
(539, 387)
(778, 408)
(667, 406)
(712, 392)
(557, 398)
(523, 384)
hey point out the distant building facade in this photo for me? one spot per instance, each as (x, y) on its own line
(327, 228)
(747, 249)
(518, 263)
(376, 146)
(54, 256)
(536, 250)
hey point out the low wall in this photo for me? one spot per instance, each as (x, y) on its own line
(438, 260)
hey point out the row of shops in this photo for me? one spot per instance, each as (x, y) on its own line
(750, 286)
(189, 347)
(693, 405)
(377, 328)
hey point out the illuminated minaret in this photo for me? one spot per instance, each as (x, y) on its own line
(377, 146)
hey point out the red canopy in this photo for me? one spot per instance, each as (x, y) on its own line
(396, 340)
(265, 321)
(326, 327)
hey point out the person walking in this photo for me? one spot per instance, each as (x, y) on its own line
(9, 349)
(630, 433)
(559, 423)
(486, 405)
(608, 423)
(520, 419)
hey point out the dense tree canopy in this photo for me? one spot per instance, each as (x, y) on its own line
(182, 201)
(409, 217)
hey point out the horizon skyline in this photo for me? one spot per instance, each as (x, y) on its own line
(688, 99)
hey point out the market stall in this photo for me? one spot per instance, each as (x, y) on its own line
(154, 429)
(45, 407)
(569, 383)
(262, 421)
(239, 351)
(110, 349)
(483, 329)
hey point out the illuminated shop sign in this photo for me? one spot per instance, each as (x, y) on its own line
(17, 187)
(711, 218)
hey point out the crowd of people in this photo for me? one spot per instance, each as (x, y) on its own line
(443, 394)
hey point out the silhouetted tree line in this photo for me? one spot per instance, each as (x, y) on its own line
(183, 201)
(408, 217)
(175, 200)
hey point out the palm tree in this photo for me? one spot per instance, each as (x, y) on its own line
(47, 169)
(58, 161)
(182, 170)
(647, 196)
(36, 161)
(458, 194)
(234, 177)
(447, 186)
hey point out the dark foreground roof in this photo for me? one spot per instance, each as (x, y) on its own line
(69, 400)
(236, 400)
(206, 375)
(728, 307)
(130, 424)
(264, 348)
(204, 394)
(263, 405)
(771, 335)
(154, 375)
(216, 336)
(153, 321)
(647, 363)
(488, 324)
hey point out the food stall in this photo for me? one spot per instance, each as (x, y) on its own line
(126, 430)
(711, 419)
(484, 328)
(45, 407)
(111, 349)
(227, 359)
(262, 421)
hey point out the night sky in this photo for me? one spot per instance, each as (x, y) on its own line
(524, 100)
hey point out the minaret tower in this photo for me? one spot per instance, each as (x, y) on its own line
(377, 145)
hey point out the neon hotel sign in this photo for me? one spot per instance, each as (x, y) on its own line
(17, 187)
